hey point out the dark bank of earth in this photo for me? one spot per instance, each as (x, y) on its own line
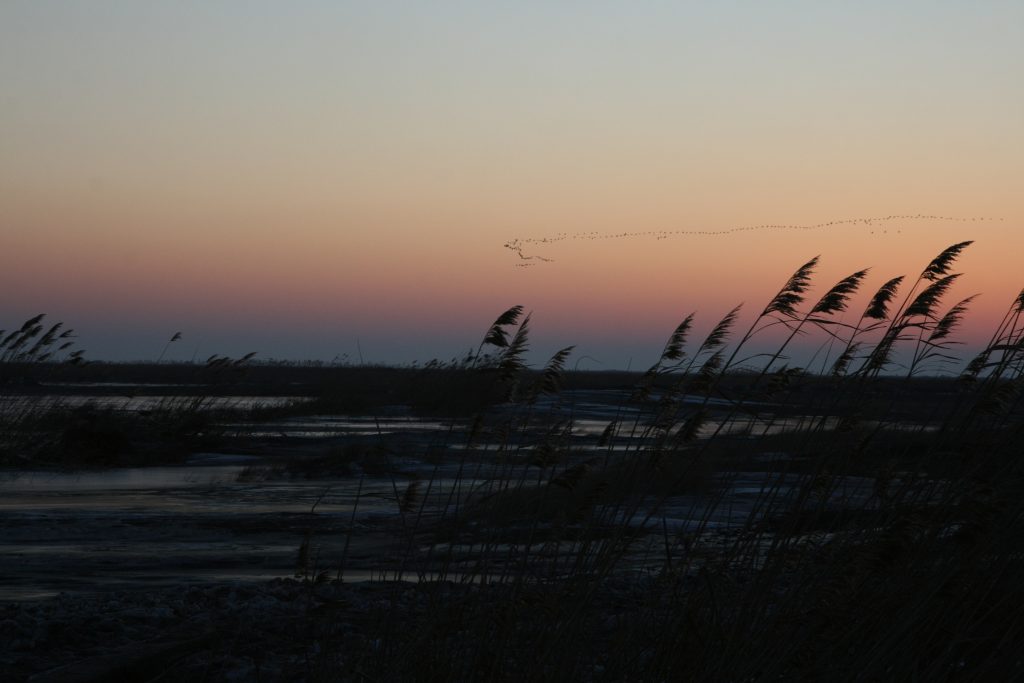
(874, 538)
(287, 630)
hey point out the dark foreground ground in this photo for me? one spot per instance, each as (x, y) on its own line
(374, 524)
(286, 630)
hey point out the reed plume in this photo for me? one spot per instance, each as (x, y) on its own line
(941, 264)
(835, 300)
(496, 334)
(878, 309)
(791, 294)
(677, 340)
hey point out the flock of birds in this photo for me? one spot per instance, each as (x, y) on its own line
(519, 244)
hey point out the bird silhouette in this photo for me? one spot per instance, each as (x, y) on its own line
(519, 244)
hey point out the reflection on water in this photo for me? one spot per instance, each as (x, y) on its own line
(216, 519)
(319, 427)
(90, 481)
(166, 525)
(132, 403)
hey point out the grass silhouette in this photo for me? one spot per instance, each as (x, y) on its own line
(719, 523)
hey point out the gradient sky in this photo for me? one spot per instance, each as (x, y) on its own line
(290, 178)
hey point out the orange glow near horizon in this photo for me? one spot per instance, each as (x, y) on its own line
(359, 180)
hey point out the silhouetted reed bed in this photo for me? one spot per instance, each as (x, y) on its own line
(712, 522)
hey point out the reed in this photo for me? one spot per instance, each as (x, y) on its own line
(881, 542)
(734, 518)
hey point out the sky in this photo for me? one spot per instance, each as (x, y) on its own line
(338, 180)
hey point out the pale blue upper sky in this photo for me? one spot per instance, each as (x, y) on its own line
(141, 132)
